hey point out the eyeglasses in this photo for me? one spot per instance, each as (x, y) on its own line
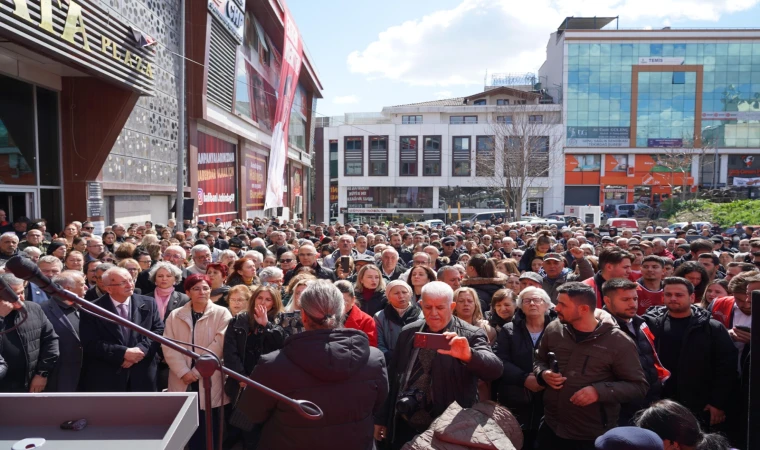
(88, 228)
(450, 244)
(286, 261)
(535, 301)
(201, 289)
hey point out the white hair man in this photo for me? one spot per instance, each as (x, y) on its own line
(345, 248)
(8, 246)
(201, 255)
(117, 358)
(65, 320)
(442, 376)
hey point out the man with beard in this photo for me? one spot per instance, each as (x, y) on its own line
(597, 368)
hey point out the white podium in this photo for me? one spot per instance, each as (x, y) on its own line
(115, 421)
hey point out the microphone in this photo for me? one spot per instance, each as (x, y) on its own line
(7, 293)
(24, 268)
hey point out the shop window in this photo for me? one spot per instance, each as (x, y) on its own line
(460, 156)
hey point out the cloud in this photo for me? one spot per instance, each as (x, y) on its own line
(346, 99)
(455, 47)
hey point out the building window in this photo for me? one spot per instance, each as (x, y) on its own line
(536, 119)
(521, 102)
(679, 77)
(502, 102)
(484, 156)
(431, 156)
(458, 120)
(333, 159)
(538, 165)
(353, 155)
(408, 156)
(506, 120)
(378, 156)
(460, 156)
(481, 102)
(411, 120)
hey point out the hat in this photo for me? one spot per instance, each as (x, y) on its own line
(363, 257)
(532, 276)
(607, 239)
(633, 241)
(22, 219)
(212, 229)
(395, 283)
(448, 240)
(738, 223)
(53, 246)
(717, 239)
(554, 256)
(201, 222)
(236, 242)
(218, 219)
(590, 234)
(629, 438)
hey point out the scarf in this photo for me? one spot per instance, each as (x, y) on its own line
(496, 321)
(162, 298)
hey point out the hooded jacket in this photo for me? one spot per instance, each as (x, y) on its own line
(607, 360)
(485, 288)
(707, 369)
(335, 369)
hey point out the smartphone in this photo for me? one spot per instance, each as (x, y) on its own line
(553, 364)
(344, 264)
(744, 329)
(431, 340)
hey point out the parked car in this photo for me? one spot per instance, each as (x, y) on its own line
(632, 210)
(433, 223)
(487, 215)
(697, 225)
(623, 224)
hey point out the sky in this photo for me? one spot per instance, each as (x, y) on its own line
(370, 54)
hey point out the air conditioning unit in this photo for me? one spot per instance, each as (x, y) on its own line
(298, 206)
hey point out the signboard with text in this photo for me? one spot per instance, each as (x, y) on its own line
(230, 13)
(84, 35)
(661, 60)
(216, 178)
(254, 180)
(598, 136)
(731, 115)
(665, 143)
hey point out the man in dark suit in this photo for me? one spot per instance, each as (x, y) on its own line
(117, 359)
(65, 319)
(98, 290)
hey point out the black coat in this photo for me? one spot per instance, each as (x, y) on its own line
(372, 305)
(92, 293)
(397, 272)
(144, 286)
(38, 338)
(707, 367)
(104, 349)
(451, 380)
(321, 272)
(65, 376)
(176, 300)
(236, 339)
(515, 348)
(337, 370)
(647, 358)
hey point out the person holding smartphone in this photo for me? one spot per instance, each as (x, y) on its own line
(437, 360)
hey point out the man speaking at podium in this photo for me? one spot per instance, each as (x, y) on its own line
(117, 359)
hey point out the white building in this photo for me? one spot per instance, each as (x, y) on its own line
(420, 161)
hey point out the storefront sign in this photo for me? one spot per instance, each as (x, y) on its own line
(333, 198)
(359, 197)
(371, 211)
(292, 57)
(94, 199)
(665, 143)
(255, 180)
(216, 178)
(660, 61)
(598, 136)
(583, 163)
(744, 182)
(747, 166)
(83, 35)
(230, 12)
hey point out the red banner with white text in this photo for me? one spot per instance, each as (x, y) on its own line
(292, 56)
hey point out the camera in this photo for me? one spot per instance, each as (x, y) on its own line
(410, 401)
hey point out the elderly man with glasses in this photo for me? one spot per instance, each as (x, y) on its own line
(34, 238)
(117, 359)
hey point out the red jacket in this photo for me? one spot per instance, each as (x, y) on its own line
(666, 254)
(722, 310)
(359, 320)
(648, 298)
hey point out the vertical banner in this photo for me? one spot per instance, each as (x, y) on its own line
(216, 179)
(255, 180)
(291, 66)
(296, 182)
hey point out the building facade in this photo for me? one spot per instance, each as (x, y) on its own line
(649, 114)
(89, 111)
(437, 160)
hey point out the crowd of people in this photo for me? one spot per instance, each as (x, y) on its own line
(587, 340)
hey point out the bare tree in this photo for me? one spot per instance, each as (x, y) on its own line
(521, 153)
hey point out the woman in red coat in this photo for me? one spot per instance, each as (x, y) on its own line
(353, 316)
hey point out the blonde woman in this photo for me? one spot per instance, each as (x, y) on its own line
(468, 309)
(370, 290)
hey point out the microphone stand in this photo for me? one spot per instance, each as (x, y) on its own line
(206, 364)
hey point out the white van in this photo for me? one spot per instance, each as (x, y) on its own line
(632, 210)
(434, 223)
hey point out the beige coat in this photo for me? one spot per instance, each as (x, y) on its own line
(209, 333)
